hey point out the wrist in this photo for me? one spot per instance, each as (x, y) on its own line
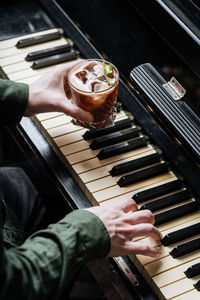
(29, 110)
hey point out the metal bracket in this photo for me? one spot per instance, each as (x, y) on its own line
(174, 89)
(126, 270)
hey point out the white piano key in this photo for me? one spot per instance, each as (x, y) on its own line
(130, 194)
(74, 147)
(95, 162)
(179, 288)
(145, 260)
(53, 122)
(16, 67)
(194, 295)
(6, 61)
(63, 129)
(13, 51)
(167, 263)
(116, 190)
(24, 74)
(48, 115)
(70, 138)
(173, 275)
(102, 172)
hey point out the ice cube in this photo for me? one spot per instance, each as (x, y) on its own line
(98, 70)
(102, 78)
(90, 67)
(97, 86)
(82, 75)
(92, 85)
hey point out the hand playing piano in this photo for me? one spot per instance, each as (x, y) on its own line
(124, 223)
(51, 93)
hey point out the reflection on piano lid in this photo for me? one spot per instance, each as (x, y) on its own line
(186, 14)
(178, 208)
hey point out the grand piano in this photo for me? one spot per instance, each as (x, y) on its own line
(155, 46)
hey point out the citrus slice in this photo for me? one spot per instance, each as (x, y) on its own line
(109, 73)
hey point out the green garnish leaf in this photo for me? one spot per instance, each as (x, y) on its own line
(109, 73)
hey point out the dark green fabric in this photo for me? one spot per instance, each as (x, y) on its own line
(13, 101)
(13, 233)
(43, 266)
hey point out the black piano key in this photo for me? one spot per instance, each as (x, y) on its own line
(38, 39)
(193, 271)
(47, 52)
(135, 164)
(122, 148)
(176, 212)
(197, 286)
(167, 201)
(157, 191)
(180, 235)
(143, 174)
(185, 248)
(114, 138)
(115, 126)
(54, 59)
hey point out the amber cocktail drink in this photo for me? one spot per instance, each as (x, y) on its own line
(93, 85)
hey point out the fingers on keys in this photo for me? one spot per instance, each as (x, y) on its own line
(144, 216)
(145, 229)
(140, 225)
(128, 205)
(143, 249)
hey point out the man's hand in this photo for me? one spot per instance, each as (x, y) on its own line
(51, 93)
(123, 223)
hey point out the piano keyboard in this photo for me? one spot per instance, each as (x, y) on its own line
(35, 55)
(114, 163)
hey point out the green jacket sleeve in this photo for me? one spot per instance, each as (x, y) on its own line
(45, 264)
(13, 101)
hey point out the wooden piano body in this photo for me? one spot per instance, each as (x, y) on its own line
(66, 159)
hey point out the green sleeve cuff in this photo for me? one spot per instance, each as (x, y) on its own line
(13, 101)
(93, 233)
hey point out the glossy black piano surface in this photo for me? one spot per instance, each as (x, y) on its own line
(128, 33)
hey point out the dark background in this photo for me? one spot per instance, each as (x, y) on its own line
(121, 31)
